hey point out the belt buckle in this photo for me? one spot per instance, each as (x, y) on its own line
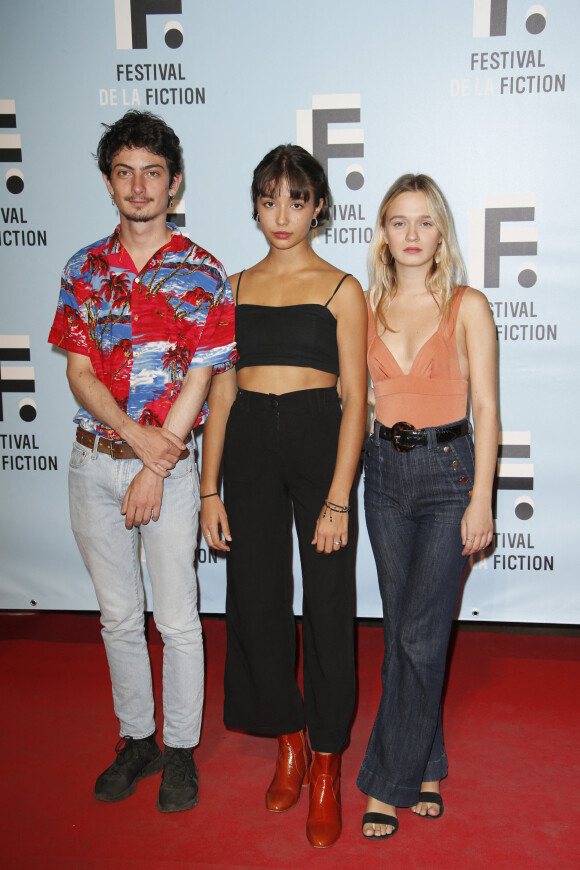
(397, 434)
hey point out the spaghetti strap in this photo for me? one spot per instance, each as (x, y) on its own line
(348, 275)
(238, 284)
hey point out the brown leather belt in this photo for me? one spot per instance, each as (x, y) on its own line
(116, 449)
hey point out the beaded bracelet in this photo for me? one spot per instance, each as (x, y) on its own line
(335, 508)
(209, 495)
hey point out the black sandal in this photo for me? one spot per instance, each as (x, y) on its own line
(431, 797)
(380, 819)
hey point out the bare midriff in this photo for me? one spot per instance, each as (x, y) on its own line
(278, 380)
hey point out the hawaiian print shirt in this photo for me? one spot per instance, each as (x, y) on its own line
(143, 330)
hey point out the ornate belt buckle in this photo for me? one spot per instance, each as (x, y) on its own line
(397, 435)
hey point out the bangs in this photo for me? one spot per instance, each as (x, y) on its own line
(272, 183)
(296, 168)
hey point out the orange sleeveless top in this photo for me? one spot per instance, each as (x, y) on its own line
(434, 392)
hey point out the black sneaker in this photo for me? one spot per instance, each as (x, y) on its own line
(178, 790)
(136, 759)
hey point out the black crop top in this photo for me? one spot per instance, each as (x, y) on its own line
(289, 335)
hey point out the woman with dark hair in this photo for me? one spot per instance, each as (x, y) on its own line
(427, 491)
(290, 449)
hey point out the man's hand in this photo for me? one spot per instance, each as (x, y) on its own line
(143, 499)
(158, 449)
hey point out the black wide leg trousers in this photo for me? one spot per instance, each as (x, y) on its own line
(279, 458)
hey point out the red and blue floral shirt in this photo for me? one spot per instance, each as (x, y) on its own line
(144, 330)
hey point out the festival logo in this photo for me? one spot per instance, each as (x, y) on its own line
(490, 18)
(10, 147)
(131, 18)
(516, 475)
(492, 237)
(509, 70)
(16, 378)
(316, 131)
(149, 83)
(501, 235)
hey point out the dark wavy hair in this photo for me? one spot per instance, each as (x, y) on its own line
(299, 169)
(140, 130)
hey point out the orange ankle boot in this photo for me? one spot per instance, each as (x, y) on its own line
(324, 823)
(292, 772)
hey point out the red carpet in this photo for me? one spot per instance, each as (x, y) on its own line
(511, 798)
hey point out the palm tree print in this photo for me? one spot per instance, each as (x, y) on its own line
(176, 360)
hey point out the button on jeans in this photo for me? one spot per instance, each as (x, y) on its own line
(97, 485)
(414, 503)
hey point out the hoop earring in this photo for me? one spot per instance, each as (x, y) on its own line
(313, 223)
(257, 218)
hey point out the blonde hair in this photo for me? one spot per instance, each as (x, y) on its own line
(445, 275)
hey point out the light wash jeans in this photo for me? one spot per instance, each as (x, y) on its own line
(413, 504)
(97, 485)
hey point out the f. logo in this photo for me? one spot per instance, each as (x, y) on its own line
(315, 135)
(131, 22)
(10, 146)
(490, 18)
(14, 378)
(491, 238)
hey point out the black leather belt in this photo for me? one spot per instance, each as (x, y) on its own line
(404, 437)
(116, 449)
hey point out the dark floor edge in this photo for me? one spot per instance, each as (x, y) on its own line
(530, 628)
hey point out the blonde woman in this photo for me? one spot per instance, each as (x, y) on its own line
(428, 490)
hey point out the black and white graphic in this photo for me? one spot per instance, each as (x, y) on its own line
(10, 147)
(131, 18)
(504, 228)
(490, 18)
(16, 378)
(316, 131)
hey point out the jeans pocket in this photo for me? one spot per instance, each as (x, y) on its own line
(184, 466)
(80, 455)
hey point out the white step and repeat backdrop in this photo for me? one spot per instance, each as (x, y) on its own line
(480, 94)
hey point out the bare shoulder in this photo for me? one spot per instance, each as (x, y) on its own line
(474, 305)
(247, 273)
(349, 297)
(348, 283)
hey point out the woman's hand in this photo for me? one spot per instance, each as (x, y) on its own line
(214, 523)
(331, 533)
(476, 526)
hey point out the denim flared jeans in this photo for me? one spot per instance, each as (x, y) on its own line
(414, 503)
(97, 486)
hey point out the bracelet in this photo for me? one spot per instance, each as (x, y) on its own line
(209, 495)
(335, 508)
